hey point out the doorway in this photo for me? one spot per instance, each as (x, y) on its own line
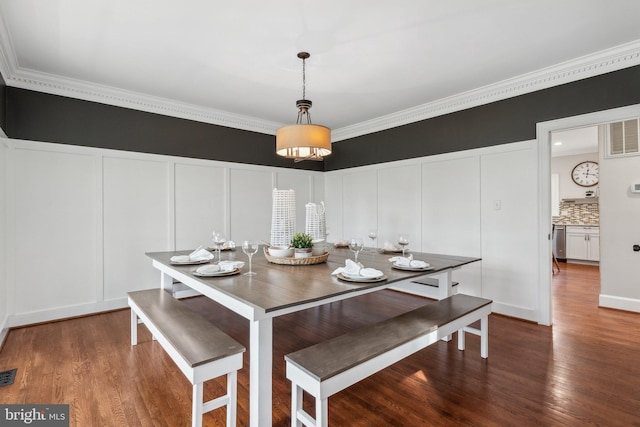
(544, 134)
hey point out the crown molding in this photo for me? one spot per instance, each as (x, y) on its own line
(41, 82)
(617, 58)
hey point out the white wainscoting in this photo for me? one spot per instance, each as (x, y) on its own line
(3, 239)
(447, 204)
(79, 220)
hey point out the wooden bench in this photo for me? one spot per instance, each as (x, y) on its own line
(201, 351)
(330, 366)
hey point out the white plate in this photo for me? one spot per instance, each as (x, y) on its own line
(360, 279)
(202, 261)
(217, 273)
(408, 268)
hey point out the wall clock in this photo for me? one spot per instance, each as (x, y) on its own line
(586, 174)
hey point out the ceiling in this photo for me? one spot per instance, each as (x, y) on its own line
(372, 65)
(574, 141)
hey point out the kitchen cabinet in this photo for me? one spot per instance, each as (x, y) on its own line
(583, 243)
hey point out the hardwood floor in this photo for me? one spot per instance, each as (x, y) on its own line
(584, 370)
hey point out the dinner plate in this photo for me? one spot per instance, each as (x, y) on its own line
(202, 261)
(360, 279)
(217, 273)
(408, 268)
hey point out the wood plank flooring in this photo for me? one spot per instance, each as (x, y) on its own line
(584, 370)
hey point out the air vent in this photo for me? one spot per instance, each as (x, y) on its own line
(623, 138)
(7, 377)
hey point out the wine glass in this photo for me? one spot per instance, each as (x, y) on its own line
(218, 240)
(356, 246)
(373, 234)
(250, 247)
(403, 240)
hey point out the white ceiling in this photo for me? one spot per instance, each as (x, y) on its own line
(234, 63)
(574, 141)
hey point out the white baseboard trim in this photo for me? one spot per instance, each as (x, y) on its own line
(64, 312)
(510, 310)
(619, 303)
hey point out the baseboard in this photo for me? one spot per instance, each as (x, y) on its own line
(518, 312)
(619, 303)
(64, 312)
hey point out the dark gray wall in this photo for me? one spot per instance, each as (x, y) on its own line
(500, 122)
(42, 117)
(38, 116)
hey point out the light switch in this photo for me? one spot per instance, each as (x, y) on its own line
(497, 205)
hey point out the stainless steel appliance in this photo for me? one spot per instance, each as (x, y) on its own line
(559, 241)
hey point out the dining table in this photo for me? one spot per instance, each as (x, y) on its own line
(280, 289)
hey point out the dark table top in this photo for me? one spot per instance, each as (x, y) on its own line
(283, 287)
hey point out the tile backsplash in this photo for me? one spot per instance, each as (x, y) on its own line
(578, 213)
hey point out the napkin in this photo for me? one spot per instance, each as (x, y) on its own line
(200, 254)
(229, 265)
(408, 262)
(223, 267)
(356, 269)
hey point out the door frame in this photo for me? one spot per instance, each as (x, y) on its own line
(543, 137)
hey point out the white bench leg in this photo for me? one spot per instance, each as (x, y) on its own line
(322, 412)
(232, 381)
(484, 337)
(134, 328)
(196, 413)
(461, 343)
(296, 404)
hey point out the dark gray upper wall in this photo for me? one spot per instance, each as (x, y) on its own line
(3, 104)
(38, 116)
(500, 122)
(42, 117)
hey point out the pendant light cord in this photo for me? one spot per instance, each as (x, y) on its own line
(304, 78)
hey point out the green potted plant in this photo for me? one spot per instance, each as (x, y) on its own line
(302, 243)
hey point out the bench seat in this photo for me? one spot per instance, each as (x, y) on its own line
(331, 366)
(199, 349)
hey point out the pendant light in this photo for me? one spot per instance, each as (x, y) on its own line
(304, 140)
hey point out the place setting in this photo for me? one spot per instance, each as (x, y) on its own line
(356, 272)
(199, 256)
(229, 267)
(409, 264)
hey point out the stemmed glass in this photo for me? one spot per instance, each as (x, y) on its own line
(373, 234)
(403, 240)
(218, 241)
(250, 247)
(356, 246)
